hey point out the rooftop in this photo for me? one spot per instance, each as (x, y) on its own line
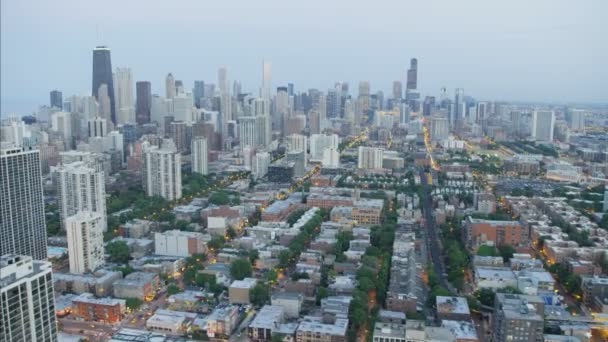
(457, 305)
(462, 330)
(268, 317)
(315, 325)
(246, 283)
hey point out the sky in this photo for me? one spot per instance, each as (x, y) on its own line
(516, 50)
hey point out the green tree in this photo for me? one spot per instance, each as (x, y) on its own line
(133, 303)
(506, 252)
(127, 269)
(485, 296)
(259, 294)
(322, 292)
(219, 198)
(240, 269)
(231, 233)
(173, 289)
(216, 242)
(254, 255)
(486, 250)
(118, 251)
(182, 225)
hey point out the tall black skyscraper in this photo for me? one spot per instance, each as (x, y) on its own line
(412, 74)
(143, 103)
(56, 99)
(102, 74)
(199, 92)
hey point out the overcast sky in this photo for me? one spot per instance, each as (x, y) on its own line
(541, 50)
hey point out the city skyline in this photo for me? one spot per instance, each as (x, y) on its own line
(548, 57)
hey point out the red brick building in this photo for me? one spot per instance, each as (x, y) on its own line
(89, 308)
(477, 232)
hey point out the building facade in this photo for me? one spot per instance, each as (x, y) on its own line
(27, 300)
(85, 241)
(23, 227)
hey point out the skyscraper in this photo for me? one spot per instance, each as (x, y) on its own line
(577, 120)
(370, 157)
(199, 151)
(123, 88)
(22, 228)
(248, 131)
(85, 242)
(412, 75)
(170, 86)
(266, 80)
(162, 171)
(144, 102)
(543, 123)
(27, 301)
(81, 187)
(198, 93)
(102, 74)
(397, 90)
(105, 104)
(56, 99)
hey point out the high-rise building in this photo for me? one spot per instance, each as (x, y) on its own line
(260, 164)
(248, 131)
(543, 124)
(180, 133)
(85, 241)
(81, 188)
(282, 110)
(61, 122)
(143, 108)
(22, 228)
(297, 142)
(370, 157)
(577, 120)
(266, 81)
(56, 99)
(331, 157)
(105, 103)
(163, 171)
(170, 90)
(397, 90)
(199, 154)
(198, 93)
(481, 112)
(319, 142)
(102, 74)
(518, 318)
(27, 301)
(97, 127)
(412, 75)
(123, 93)
(439, 128)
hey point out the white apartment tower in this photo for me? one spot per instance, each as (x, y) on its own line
(162, 171)
(577, 120)
(439, 128)
(319, 142)
(81, 188)
(331, 157)
(22, 228)
(370, 157)
(199, 150)
(543, 124)
(248, 131)
(27, 301)
(123, 95)
(85, 241)
(260, 164)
